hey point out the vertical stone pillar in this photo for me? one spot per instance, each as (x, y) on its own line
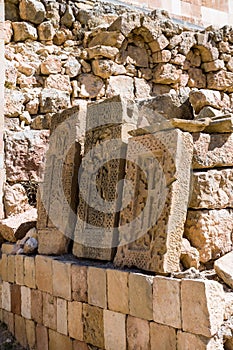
(2, 79)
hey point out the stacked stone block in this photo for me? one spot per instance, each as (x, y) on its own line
(52, 303)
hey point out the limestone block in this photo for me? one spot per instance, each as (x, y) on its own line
(154, 243)
(15, 199)
(49, 311)
(79, 345)
(159, 44)
(221, 80)
(29, 272)
(140, 296)
(223, 268)
(46, 31)
(19, 269)
(42, 337)
(15, 227)
(79, 283)
(32, 11)
(62, 313)
(25, 153)
(26, 302)
(120, 85)
(212, 189)
(166, 301)
(20, 330)
(162, 337)
(126, 23)
(166, 73)
(161, 56)
(61, 279)
(6, 296)
(44, 273)
(209, 231)
(90, 86)
(75, 323)
(102, 51)
(118, 291)
(208, 154)
(16, 299)
(113, 38)
(213, 66)
(58, 341)
(93, 331)
(51, 241)
(36, 305)
(73, 67)
(203, 97)
(51, 65)
(142, 88)
(114, 330)
(58, 82)
(207, 299)
(190, 256)
(138, 333)
(97, 287)
(52, 100)
(14, 100)
(196, 78)
(194, 342)
(228, 305)
(31, 333)
(11, 268)
(24, 31)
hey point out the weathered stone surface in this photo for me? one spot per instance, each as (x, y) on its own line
(167, 227)
(223, 268)
(26, 302)
(142, 88)
(61, 279)
(46, 31)
(120, 85)
(91, 86)
(52, 65)
(138, 55)
(213, 66)
(126, 23)
(73, 67)
(114, 39)
(209, 231)
(14, 100)
(208, 112)
(212, 189)
(68, 18)
(161, 56)
(43, 273)
(49, 311)
(79, 283)
(62, 313)
(191, 125)
(59, 341)
(97, 287)
(24, 31)
(159, 44)
(138, 333)
(166, 73)
(118, 291)
(93, 332)
(51, 100)
(58, 82)
(194, 342)
(25, 153)
(51, 241)
(162, 337)
(10, 74)
(196, 78)
(166, 297)
(140, 296)
(15, 199)
(204, 97)
(114, 330)
(220, 80)
(102, 51)
(207, 299)
(208, 154)
(32, 11)
(16, 227)
(190, 256)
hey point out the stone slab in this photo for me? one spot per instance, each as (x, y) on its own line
(153, 242)
(224, 268)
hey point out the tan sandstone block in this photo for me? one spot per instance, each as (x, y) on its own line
(52, 242)
(118, 291)
(58, 341)
(140, 296)
(20, 330)
(19, 269)
(162, 337)
(62, 279)
(16, 299)
(97, 287)
(75, 323)
(9, 320)
(138, 333)
(36, 305)
(79, 283)
(49, 311)
(114, 330)
(26, 302)
(42, 337)
(6, 296)
(11, 268)
(193, 342)
(29, 272)
(31, 334)
(166, 301)
(79, 345)
(4, 267)
(44, 273)
(62, 316)
(223, 268)
(207, 299)
(93, 325)
(7, 248)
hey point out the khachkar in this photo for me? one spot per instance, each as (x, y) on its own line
(100, 185)
(152, 223)
(58, 195)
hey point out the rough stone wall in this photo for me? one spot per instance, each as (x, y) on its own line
(2, 74)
